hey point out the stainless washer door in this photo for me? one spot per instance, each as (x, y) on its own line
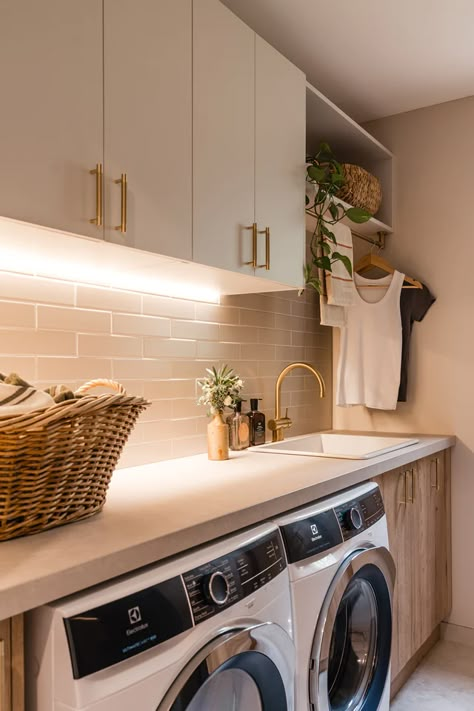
(250, 669)
(351, 648)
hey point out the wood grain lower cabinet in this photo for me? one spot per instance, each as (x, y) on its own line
(12, 691)
(417, 503)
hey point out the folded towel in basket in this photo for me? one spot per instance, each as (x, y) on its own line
(17, 396)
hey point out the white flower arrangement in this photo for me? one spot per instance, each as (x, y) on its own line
(220, 389)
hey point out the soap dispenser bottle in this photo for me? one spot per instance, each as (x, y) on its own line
(239, 429)
(257, 423)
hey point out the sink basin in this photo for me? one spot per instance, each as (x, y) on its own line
(340, 446)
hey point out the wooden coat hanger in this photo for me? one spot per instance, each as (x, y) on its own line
(369, 261)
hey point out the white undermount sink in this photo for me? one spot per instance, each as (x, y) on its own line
(339, 446)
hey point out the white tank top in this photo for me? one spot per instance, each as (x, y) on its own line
(371, 345)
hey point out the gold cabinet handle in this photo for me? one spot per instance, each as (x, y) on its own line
(253, 227)
(411, 472)
(3, 674)
(404, 501)
(99, 178)
(435, 461)
(123, 203)
(265, 232)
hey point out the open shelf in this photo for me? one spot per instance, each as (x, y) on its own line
(366, 229)
(351, 144)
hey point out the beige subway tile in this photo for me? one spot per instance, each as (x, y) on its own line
(38, 343)
(185, 407)
(158, 410)
(25, 367)
(298, 338)
(17, 315)
(57, 370)
(289, 322)
(164, 306)
(162, 389)
(298, 307)
(30, 288)
(195, 329)
(238, 334)
(216, 313)
(146, 368)
(168, 429)
(135, 455)
(168, 348)
(247, 369)
(189, 369)
(274, 336)
(246, 301)
(315, 355)
(108, 299)
(257, 352)
(188, 446)
(257, 318)
(109, 346)
(216, 351)
(137, 325)
(65, 319)
(289, 353)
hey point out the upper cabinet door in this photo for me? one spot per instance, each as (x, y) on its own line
(51, 122)
(148, 124)
(224, 137)
(280, 166)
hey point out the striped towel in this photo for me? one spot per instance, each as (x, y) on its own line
(338, 283)
(18, 399)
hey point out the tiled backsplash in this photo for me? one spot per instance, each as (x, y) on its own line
(53, 331)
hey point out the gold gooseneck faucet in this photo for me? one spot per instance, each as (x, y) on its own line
(279, 424)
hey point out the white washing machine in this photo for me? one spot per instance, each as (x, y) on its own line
(208, 631)
(342, 577)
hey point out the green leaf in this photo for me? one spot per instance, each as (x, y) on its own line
(325, 147)
(316, 174)
(327, 233)
(358, 215)
(344, 259)
(324, 263)
(316, 284)
(334, 211)
(337, 179)
(307, 200)
(325, 247)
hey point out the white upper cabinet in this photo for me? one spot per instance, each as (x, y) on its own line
(249, 150)
(223, 137)
(148, 124)
(279, 166)
(51, 120)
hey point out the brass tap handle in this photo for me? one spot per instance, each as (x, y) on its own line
(253, 262)
(99, 177)
(122, 181)
(278, 425)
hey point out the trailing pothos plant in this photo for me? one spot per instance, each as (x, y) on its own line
(327, 175)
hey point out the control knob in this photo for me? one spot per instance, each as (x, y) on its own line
(216, 588)
(353, 519)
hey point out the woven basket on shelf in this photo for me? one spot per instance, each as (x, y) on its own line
(361, 189)
(56, 463)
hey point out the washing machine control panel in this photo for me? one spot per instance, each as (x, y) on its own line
(324, 530)
(224, 581)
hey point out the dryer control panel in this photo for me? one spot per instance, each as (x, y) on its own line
(321, 531)
(224, 581)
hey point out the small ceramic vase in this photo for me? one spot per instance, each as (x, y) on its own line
(217, 439)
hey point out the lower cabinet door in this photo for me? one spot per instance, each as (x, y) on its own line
(12, 688)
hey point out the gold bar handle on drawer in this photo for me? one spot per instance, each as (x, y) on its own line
(265, 232)
(403, 501)
(123, 203)
(435, 461)
(253, 227)
(99, 177)
(3, 675)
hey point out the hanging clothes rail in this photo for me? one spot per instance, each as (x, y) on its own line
(378, 241)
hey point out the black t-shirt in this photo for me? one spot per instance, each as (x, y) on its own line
(414, 303)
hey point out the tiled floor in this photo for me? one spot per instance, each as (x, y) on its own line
(443, 682)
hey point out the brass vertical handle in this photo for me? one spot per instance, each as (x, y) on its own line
(253, 262)
(404, 501)
(413, 484)
(435, 461)
(123, 203)
(99, 177)
(3, 674)
(265, 232)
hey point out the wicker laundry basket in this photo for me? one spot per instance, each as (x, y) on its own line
(56, 464)
(361, 189)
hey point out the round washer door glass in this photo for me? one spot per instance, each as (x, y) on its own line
(351, 649)
(232, 687)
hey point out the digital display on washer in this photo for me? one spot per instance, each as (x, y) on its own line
(372, 507)
(121, 629)
(311, 535)
(224, 581)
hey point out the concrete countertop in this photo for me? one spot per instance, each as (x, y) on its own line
(158, 510)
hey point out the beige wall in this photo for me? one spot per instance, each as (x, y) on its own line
(53, 331)
(434, 241)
